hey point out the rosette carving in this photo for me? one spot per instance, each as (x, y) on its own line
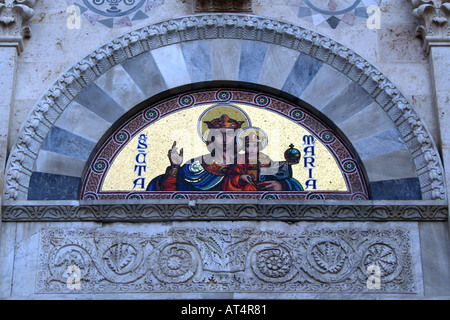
(176, 263)
(273, 264)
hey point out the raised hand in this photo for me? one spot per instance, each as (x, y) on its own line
(175, 158)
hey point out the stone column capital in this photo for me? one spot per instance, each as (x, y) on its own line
(434, 22)
(15, 16)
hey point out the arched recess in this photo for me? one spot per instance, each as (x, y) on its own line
(64, 127)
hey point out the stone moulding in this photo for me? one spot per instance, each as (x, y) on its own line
(223, 26)
(207, 210)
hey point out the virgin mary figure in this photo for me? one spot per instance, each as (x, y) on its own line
(222, 127)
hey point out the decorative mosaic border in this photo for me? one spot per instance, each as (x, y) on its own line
(213, 26)
(119, 14)
(206, 210)
(309, 259)
(349, 166)
(354, 13)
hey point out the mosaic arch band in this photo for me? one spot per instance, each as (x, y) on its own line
(224, 144)
(235, 162)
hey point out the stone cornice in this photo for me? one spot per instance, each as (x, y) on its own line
(206, 210)
(434, 16)
(15, 16)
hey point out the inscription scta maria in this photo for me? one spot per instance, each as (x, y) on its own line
(309, 157)
(140, 162)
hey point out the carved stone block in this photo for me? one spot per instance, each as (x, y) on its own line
(223, 5)
(227, 257)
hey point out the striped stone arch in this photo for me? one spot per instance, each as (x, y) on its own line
(67, 123)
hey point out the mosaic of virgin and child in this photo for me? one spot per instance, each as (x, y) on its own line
(235, 161)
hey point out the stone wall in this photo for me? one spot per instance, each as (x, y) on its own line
(298, 250)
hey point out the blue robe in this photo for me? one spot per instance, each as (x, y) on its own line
(192, 176)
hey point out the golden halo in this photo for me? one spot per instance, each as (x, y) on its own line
(249, 130)
(215, 112)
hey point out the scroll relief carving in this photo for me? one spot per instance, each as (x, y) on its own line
(227, 26)
(145, 211)
(226, 260)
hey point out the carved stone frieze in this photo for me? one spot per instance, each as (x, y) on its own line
(435, 18)
(217, 26)
(222, 5)
(309, 259)
(15, 18)
(178, 210)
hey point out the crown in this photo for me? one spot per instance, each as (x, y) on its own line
(224, 122)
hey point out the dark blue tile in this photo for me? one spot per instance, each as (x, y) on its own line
(145, 73)
(198, 62)
(350, 101)
(333, 22)
(361, 12)
(99, 102)
(64, 142)
(304, 70)
(46, 186)
(399, 189)
(251, 61)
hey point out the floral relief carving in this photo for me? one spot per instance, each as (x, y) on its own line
(317, 259)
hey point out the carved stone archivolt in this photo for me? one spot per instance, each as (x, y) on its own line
(311, 259)
(222, 26)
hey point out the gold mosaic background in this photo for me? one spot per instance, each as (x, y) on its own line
(182, 128)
